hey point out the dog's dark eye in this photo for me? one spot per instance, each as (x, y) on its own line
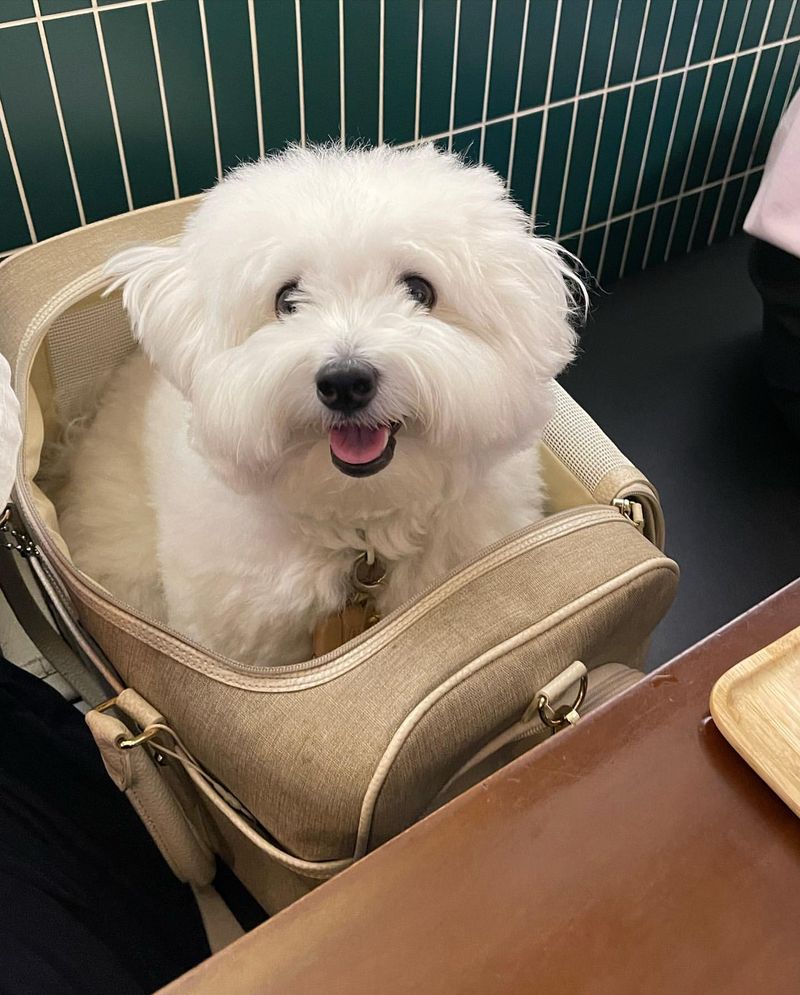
(420, 291)
(284, 300)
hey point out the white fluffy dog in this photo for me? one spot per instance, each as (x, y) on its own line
(345, 351)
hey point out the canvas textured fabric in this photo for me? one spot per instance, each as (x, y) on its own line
(310, 792)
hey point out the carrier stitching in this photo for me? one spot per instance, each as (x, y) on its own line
(187, 657)
(421, 709)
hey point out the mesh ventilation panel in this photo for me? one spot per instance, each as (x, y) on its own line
(578, 443)
(84, 345)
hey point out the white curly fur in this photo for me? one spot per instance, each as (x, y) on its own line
(204, 491)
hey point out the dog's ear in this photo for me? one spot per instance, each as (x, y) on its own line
(557, 298)
(163, 305)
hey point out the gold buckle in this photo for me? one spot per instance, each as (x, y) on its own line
(125, 743)
(565, 715)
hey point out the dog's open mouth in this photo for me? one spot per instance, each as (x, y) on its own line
(359, 451)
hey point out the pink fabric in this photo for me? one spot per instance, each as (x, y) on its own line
(775, 214)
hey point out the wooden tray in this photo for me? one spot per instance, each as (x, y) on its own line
(756, 706)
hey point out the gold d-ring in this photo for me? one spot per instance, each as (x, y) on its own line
(368, 577)
(566, 715)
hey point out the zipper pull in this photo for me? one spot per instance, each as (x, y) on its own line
(632, 510)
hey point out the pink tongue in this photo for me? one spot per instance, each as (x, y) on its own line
(355, 444)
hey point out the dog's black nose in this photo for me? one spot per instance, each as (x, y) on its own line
(346, 385)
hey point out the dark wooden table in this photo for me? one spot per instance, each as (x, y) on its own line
(636, 853)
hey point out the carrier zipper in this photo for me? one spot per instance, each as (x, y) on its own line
(529, 537)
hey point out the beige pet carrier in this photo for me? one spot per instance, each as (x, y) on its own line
(292, 773)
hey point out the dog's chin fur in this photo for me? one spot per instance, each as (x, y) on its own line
(204, 492)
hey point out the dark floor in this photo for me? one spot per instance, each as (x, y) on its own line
(670, 371)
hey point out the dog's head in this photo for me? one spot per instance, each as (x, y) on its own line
(348, 322)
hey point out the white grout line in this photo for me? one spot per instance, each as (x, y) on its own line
(201, 6)
(685, 73)
(537, 179)
(698, 213)
(600, 122)
(786, 23)
(601, 91)
(696, 134)
(454, 75)
(342, 118)
(381, 71)
(112, 103)
(487, 80)
(792, 84)
(616, 87)
(418, 94)
(722, 15)
(301, 88)
(574, 120)
(742, 116)
(648, 138)
(659, 203)
(59, 114)
(23, 198)
(251, 15)
(759, 130)
(623, 140)
(518, 93)
(164, 108)
(725, 97)
(757, 139)
(739, 202)
(73, 13)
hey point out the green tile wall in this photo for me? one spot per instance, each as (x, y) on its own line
(632, 130)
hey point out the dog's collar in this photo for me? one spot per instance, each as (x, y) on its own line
(360, 613)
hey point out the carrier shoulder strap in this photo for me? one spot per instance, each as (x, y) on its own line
(44, 636)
